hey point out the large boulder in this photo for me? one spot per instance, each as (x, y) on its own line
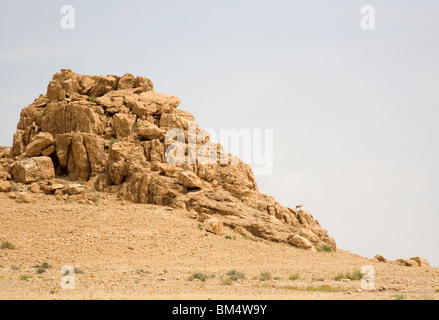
(422, 262)
(300, 242)
(31, 170)
(39, 143)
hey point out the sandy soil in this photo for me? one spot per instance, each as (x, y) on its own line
(130, 251)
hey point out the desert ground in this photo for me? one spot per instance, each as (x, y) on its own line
(136, 251)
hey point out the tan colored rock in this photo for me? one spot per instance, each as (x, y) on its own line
(144, 83)
(189, 179)
(24, 197)
(40, 142)
(5, 186)
(74, 189)
(380, 258)
(102, 86)
(192, 214)
(126, 159)
(422, 262)
(77, 116)
(214, 226)
(81, 154)
(126, 82)
(123, 125)
(48, 151)
(35, 188)
(151, 132)
(407, 262)
(18, 143)
(86, 83)
(31, 170)
(300, 242)
(162, 102)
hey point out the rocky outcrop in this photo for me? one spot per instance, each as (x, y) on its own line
(118, 134)
(31, 170)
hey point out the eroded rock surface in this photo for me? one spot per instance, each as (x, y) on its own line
(111, 132)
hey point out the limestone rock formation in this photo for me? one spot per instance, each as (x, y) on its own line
(112, 132)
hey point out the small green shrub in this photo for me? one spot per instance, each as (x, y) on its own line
(399, 296)
(294, 277)
(356, 275)
(92, 99)
(324, 288)
(42, 268)
(235, 275)
(95, 200)
(25, 277)
(228, 237)
(293, 288)
(79, 271)
(143, 271)
(8, 245)
(136, 126)
(114, 140)
(227, 281)
(326, 249)
(199, 276)
(265, 275)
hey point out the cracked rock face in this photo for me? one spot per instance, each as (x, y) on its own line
(112, 131)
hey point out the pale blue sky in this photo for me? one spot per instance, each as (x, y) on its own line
(354, 112)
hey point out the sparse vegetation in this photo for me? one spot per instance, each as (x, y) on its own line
(356, 275)
(265, 275)
(228, 237)
(437, 290)
(92, 99)
(8, 245)
(52, 291)
(136, 126)
(199, 276)
(326, 249)
(324, 288)
(15, 187)
(318, 279)
(227, 281)
(294, 277)
(95, 200)
(235, 275)
(293, 288)
(114, 140)
(79, 271)
(80, 181)
(143, 271)
(25, 277)
(42, 268)
(399, 296)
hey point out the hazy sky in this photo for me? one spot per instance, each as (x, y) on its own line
(354, 112)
